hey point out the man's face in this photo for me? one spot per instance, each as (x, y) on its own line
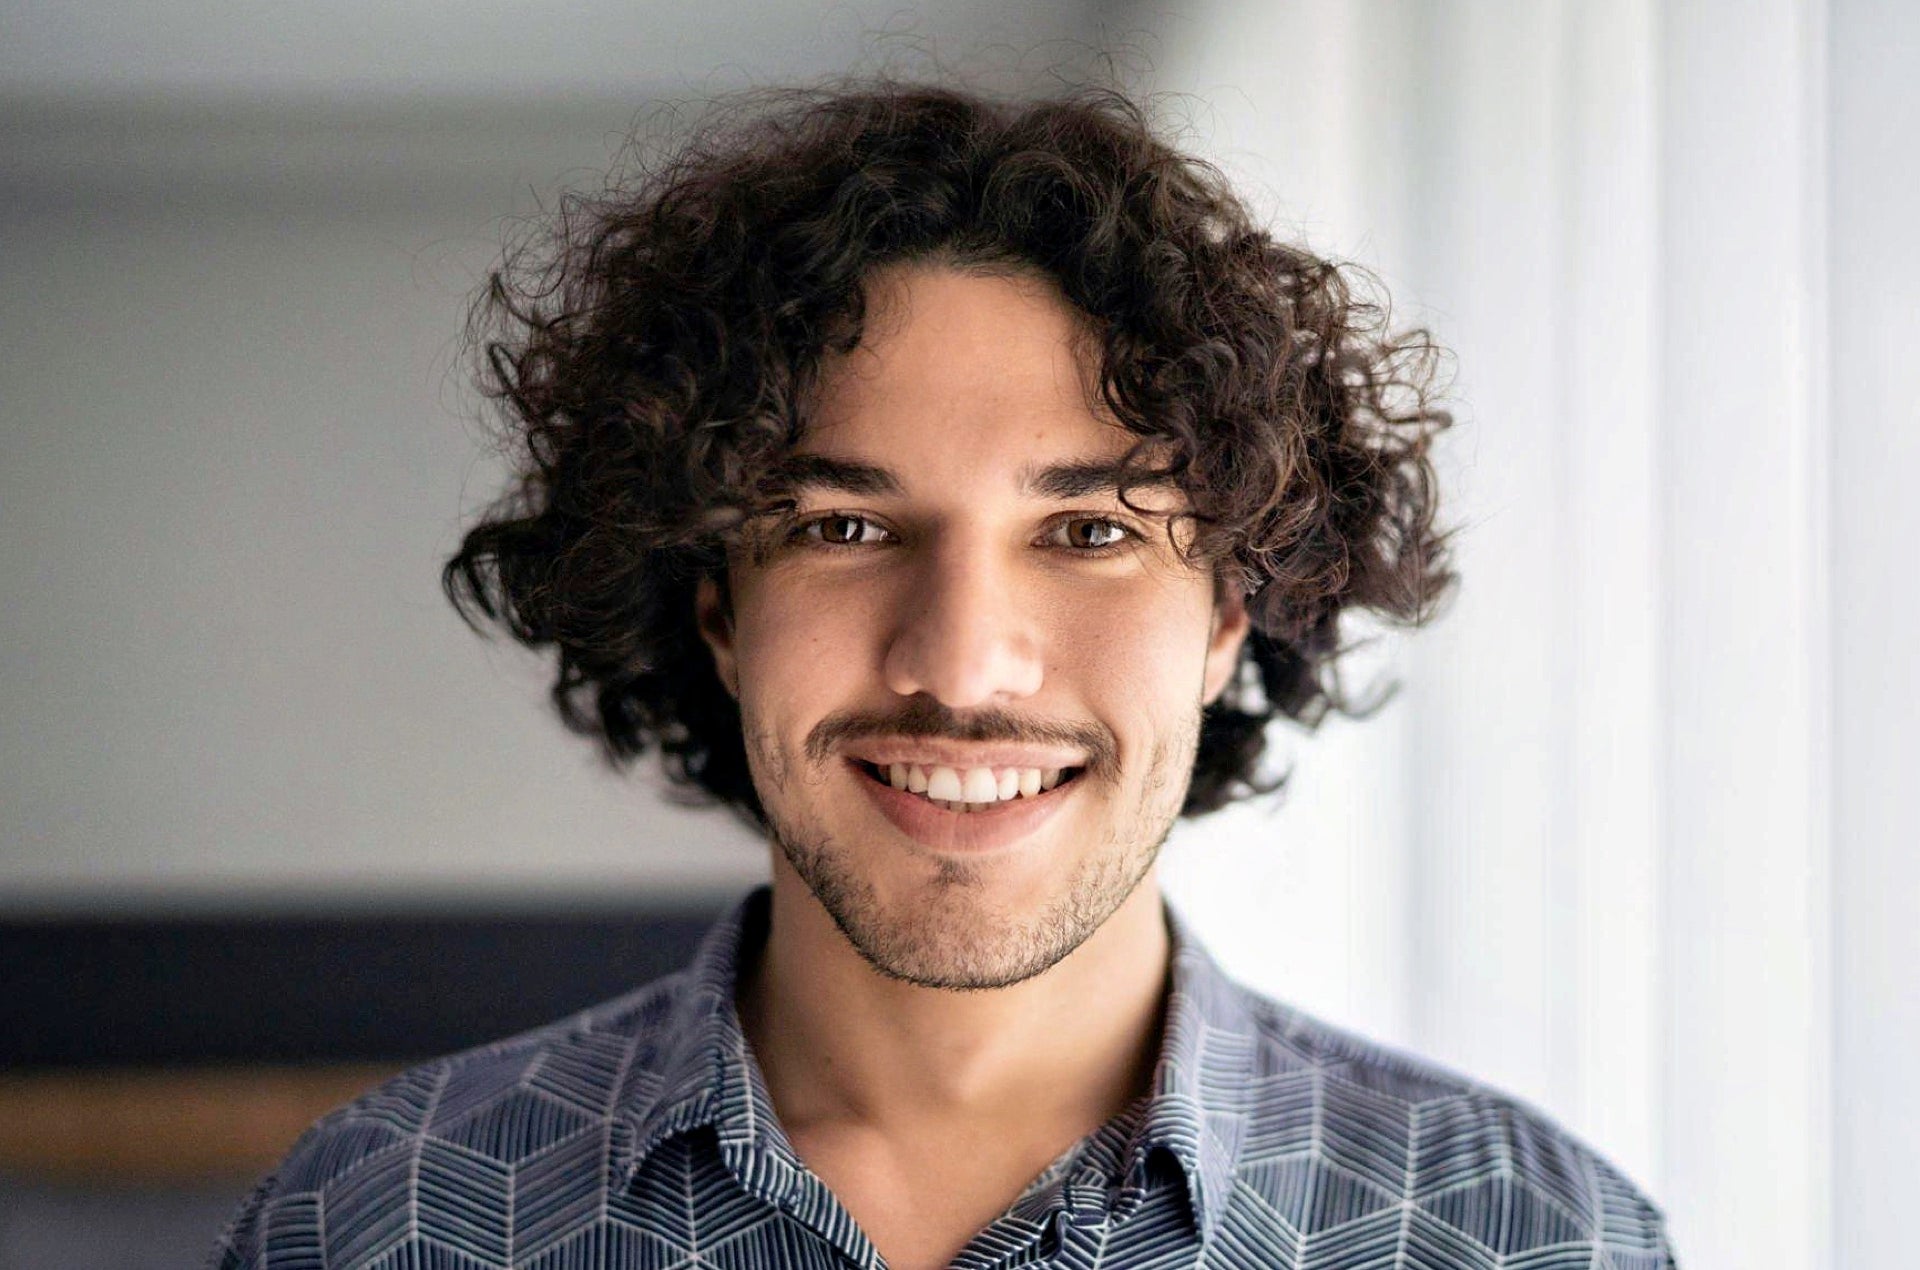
(957, 592)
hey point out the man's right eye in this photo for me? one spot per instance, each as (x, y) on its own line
(839, 530)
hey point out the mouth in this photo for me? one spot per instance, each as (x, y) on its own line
(970, 791)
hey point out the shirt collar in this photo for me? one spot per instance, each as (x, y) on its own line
(1196, 1112)
(708, 1078)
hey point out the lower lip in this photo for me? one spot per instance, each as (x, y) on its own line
(963, 832)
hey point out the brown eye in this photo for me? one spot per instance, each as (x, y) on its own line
(1088, 533)
(841, 531)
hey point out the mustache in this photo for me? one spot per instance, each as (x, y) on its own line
(924, 718)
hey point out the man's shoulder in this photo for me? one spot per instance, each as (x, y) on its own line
(454, 1131)
(1332, 1107)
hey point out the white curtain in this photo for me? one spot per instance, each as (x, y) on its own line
(1631, 842)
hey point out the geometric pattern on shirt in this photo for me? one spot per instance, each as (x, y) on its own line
(638, 1133)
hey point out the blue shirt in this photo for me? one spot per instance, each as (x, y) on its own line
(639, 1133)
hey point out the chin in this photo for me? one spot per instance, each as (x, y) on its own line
(964, 925)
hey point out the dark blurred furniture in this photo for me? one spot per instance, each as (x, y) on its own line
(90, 992)
(157, 1064)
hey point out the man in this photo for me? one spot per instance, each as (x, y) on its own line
(957, 489)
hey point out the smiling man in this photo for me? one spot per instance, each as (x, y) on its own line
(957, 489)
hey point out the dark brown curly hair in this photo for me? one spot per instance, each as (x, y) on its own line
(654, 348)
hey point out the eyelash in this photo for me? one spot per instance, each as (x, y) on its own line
(804, 533)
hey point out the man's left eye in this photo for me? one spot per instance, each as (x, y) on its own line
(1090, 533)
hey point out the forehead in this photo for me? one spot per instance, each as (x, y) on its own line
(964, 364)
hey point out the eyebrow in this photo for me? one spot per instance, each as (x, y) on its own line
(1087, 477)
(806, 473)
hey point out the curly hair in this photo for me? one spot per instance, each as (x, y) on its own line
(653, 350)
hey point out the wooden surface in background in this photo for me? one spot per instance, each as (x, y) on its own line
(166, 1127)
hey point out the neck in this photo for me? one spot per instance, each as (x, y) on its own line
(841, 1043)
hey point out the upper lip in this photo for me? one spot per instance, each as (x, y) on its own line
(929, 753)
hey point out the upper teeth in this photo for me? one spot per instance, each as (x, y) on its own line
(972, 784)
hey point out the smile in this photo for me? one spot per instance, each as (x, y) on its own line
(968, 790)
(966, 825)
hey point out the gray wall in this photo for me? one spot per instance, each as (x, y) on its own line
(236, 247)
(239, 443)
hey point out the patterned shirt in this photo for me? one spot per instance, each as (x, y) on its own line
(639, 1133)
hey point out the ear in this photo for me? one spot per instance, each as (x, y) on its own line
(713, 615)
(1230, 625)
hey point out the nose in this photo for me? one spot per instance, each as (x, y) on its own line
(964, 634)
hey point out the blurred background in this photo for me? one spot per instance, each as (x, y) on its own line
(1632, 841)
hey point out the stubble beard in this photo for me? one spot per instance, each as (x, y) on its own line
(948, 934)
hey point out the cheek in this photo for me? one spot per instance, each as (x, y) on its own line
(792, 651)
(1140, 653)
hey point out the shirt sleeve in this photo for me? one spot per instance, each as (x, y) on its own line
(280, 1217)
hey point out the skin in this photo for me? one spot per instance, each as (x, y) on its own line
(937, 1025)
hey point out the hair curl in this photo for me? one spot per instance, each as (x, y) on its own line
(654, 348)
